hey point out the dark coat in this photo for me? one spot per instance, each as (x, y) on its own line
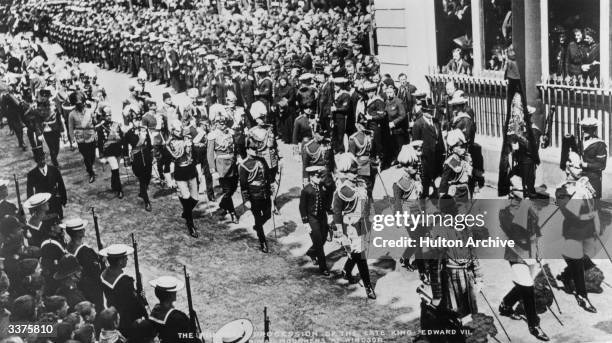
(312, 204)
(51, 183)
(433, 145)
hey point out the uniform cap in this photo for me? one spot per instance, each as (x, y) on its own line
(459, 98)
(236, 64)
(589, 121)
(237, 331)
(262, 69)
(306, 77)
(340, 80)
(416, 143)
(455, 137)
(116, 250)
(315, 169)
(74, 225)
(370, 86)
(37, 200)
(167, 284)
(192, 92)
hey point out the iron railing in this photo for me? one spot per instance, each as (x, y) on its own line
(567, 99)
(486, 94)
(570, 99)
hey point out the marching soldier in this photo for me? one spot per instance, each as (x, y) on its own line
(457, 168)
(222, 161)
(594, 154)
(14, 107)
(241, 122)
(110, 137)
(407, 194)
(360, 145)
(318, 152)
(519, 222)
(46, 178)
(81, 128)
(118, 287)
(88, 259)
(156, 124)
(180, 147)
(256, 189)
(341, 110)
(428, 130)
(142, 157)
(170, 324)
(313, 212)
(265, 146)
(351, 209)
(576, 199)
(47, 122)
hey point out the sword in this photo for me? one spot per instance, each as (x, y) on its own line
(604, 247)
(551, 288)
(494, 314)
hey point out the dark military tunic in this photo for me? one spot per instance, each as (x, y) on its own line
(171, 325)
(121, 294)
(52, 183)
(595, 156)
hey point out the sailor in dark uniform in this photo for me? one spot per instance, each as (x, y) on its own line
(89, 283)
(119, 287)
(576, 199)
(302, 129)
(594, 154)
(171, 325)
(51, 251)
(341, 110)
(351, 207)
(313, 212)
(256, 190)
(519, 221)
(46, 178)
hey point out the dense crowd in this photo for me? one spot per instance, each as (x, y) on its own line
(298, 75)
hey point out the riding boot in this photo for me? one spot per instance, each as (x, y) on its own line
(588, 263)
(263, 242)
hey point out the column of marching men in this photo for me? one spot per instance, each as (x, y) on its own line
(350, 127)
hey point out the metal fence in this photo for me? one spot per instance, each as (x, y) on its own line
(570, 99)
(486, 94)
(567, 99)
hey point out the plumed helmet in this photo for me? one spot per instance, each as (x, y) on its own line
(346, 163)
(455, 137)
(407, 155)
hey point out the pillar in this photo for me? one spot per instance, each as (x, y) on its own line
(526, 38)
(478, 36)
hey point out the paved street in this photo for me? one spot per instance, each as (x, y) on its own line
(232, 279)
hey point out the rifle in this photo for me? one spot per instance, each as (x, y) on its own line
(266, 325)
(193, 316)
(20, 211)
(547, 139)
(139, 289)
(98, 237)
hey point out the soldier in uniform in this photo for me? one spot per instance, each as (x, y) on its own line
(457, 169)
(307, 95)
(47, 122)
(398, 121)
(119, 289)
(241, 122)
(576, 199)
(156, 124)
(180, 147)
(52, 250)
(318, 152)
(594, 154)
(256, 188)
(340, 110)
(313, 212)
(303, 127)
(222, 161)
(360, 145)
(374, 120)
(89, 283)
(519, 222)
(81, 128)
(266, 147)
(407, 194)
(325, 100)
(110, 137)
(171, 325)
(351, 208)
(142, 157)
(46, 178)
(265, 85)
(13, 105)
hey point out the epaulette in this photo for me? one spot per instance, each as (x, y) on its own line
(454, 163)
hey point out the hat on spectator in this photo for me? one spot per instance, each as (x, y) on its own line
(74, 225)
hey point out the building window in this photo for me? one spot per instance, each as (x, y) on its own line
(497, 32)
(454, 35)
(573, 27)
